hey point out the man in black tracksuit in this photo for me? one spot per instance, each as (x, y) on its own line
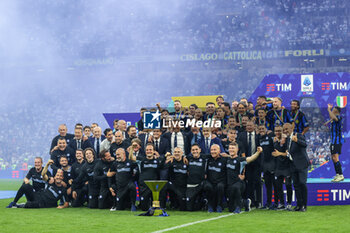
(75, 171)
(124, 172)
(38, 183)
(101, 169)
(177, 179)
(149, 170)
(86, 178)
(62, 150)
(196, 173)
(268, 163)
(235, 179)
(50, 195)
(216, 179)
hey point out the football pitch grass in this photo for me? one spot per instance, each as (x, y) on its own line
(316, 219)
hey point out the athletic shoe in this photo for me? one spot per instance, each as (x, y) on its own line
(219, 209)
(114, 208)
(302, 209)
(297, 208)
(21, 205)
(237, 210)
(281, 207)
(335, 178)
(339, 178)
(133, 207)
(11, 205)
(210, 209)
(289, 207)
(247, 205)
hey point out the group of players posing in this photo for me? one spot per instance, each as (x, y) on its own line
(203, 169)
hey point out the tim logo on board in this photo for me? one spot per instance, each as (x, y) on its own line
(151, 120)
(307, 83)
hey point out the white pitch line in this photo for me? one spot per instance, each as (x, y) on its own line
(192, 223)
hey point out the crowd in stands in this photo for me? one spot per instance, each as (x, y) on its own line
(91, 29)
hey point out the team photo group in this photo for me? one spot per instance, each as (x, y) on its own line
(208, 168)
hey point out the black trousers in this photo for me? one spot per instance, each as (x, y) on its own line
(177, 196)
(234, 194)
(253, 178)
(125, 196)
(215, 193)
(27, 190)
(33, 198)
(82, 193)
(270, 184)
(194, 196)
(105, 200)
(145, 197)
(299, 181)
(279, 189)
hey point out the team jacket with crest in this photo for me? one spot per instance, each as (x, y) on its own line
(234, 167)
(37, 179)
(177, 173)
(216, 170)
(126, 172)
(149, 169)
(196, 170)
(87, 174)
(100, 173)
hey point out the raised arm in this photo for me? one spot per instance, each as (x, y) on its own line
(254, 156)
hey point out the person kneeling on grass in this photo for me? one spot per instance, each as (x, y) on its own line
(235, 178)
(49, 196)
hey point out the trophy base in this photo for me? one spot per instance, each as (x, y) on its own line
(155, 211)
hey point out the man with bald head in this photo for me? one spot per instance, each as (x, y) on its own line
(119, 142)
(216, 179)
(124, 174)
(177, 179)
(122, 128)
(62, 130)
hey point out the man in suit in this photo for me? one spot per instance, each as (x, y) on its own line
(208, 140)
(161, 144)
(195, 135)
(296, 147)
(250, 142)
(97, 139)
(79, 142)
(178, 139)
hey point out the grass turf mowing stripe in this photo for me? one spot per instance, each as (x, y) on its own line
(192, 223)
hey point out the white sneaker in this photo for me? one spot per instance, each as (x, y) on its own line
(289, 207)
(339, 178)
(335, 178)
(114, 208)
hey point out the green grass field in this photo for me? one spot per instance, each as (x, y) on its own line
(316, 219)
